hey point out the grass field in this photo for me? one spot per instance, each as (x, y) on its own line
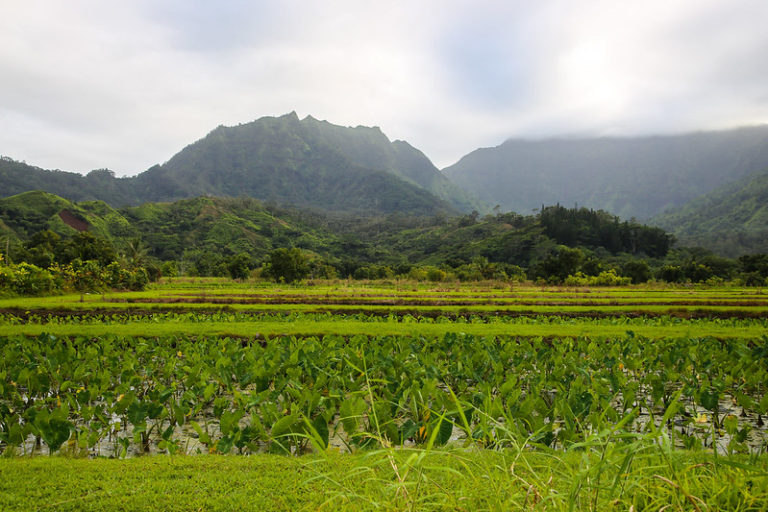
(445, 480)
(385, 395)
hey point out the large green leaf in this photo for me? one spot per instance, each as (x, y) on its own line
(137, 412)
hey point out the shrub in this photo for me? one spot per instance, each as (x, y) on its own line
(638, 271)
(606, 278)
(239, 266)
(373, 272)
(435, 274)
(26, 279)
(169, 269)
(417, 274)
(287, 265)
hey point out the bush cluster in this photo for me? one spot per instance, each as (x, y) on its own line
(606, 278)
(77, 276)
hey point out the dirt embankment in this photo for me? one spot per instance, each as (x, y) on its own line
(45, 314)
(341, 301)
(72, 221)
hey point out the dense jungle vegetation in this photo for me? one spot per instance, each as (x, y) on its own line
(242, 237)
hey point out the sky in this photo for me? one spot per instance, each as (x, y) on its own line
(124, 85)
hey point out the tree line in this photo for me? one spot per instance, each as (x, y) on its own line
(558, 245)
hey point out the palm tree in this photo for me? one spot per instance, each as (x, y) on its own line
(136, 253)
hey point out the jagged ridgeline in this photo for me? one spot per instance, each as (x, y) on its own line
(304, 163)
(338, 171)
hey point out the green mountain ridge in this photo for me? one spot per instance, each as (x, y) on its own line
(17, 177)
(632, 177)
(307, 164)
(304, 163)
(732, 220)
(370, 148)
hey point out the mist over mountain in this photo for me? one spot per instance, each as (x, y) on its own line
(630, 177)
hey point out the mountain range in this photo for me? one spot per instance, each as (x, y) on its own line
(631, 177)
(677, 182)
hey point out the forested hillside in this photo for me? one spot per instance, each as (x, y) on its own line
(17, 177)
(201, 231)
(232, 236)
(302, 163)
(340, 172)
(630, 177)
(731, 221)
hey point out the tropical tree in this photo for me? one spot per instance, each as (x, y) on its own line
(239, 266)
(560, 263)
(638, 270)
(288, 265)
(136, 253)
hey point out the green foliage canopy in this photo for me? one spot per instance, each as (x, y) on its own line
(288, 265)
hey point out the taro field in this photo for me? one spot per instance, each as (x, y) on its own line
(621, 397)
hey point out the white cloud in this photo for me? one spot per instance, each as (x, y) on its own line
(125, 85)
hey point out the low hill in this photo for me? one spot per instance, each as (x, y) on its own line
(30, 212)
(732, 220)
(224, 226)
(630, 177)
(221, 225)
(199, 232)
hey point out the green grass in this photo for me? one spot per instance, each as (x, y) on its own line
(386, 480)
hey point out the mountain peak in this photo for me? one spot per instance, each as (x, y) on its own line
(305, 163)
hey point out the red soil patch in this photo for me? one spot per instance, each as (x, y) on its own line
(72, 221)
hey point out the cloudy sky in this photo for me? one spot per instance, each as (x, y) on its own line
(126, 84)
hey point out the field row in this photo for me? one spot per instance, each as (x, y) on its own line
(113, 395)
(271, 326)
(382, 300)
(405, 479)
